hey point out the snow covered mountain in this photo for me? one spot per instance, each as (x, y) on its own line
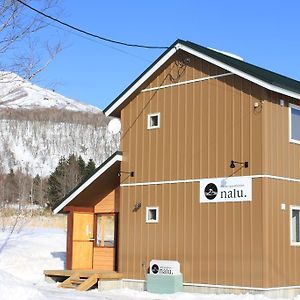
(38, 127)
(16, 93)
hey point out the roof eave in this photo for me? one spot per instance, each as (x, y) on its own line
(242, 74)
(114, 108)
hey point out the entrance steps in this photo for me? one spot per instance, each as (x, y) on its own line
(80, 280)
(78, 283)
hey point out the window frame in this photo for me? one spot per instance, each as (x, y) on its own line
(148, 221)
(293, 207)
(149, 120)
(297, 107)
(115, 214)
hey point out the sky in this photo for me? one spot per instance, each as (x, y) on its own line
(263, 32)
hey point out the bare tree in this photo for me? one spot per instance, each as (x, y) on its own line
(23, 50)
(26, 52)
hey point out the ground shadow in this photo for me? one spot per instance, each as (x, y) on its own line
(61, 255)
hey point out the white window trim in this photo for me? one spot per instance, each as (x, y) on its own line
(290, 123)
(292, 207)
(149, 121)
(157, 214)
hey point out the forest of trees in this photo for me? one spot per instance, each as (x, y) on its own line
(67, 175)
(18, 189)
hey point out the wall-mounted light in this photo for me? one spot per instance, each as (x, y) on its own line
(137, 206)
(131, 173)
(243, 164)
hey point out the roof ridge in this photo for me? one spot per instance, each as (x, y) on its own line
(263, 77)
(240, 61)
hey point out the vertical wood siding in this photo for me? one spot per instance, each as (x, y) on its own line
(203, 127)
(281, 267)
(217, 243)
(281, 158)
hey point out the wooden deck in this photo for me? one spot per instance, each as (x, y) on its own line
(104, 275)
(81, 280)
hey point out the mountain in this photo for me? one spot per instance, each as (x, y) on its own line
(39, 126)
(17, 93)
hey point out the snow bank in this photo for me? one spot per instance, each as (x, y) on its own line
(28, 253)
(13, 288)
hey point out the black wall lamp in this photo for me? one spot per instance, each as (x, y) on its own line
(243, 164)
(126, 172)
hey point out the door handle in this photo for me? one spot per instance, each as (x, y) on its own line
(91, 239)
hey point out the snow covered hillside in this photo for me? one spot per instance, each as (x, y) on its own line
(36, 146)
(38, 127)
(16, 93)
(25, 255)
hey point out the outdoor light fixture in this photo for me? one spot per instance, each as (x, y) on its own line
(137, 206)
(126, 172)
(243, 164)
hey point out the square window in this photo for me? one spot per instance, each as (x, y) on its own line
(294, 123)
(151, 214)
(295, 226)
(153, 121)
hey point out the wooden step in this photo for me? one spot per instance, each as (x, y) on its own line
(68, 282)
(88, 283)
(77, 281)
(68, 286)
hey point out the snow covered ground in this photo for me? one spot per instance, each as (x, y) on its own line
(25, 255)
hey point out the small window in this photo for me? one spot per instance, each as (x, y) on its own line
(295, 226)
(295, 123)
(153, 121)
(151, 214)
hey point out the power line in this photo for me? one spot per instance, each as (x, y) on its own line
(103, 44)
(89, 33)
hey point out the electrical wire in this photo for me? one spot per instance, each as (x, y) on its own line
(89, 33)
(103, 44)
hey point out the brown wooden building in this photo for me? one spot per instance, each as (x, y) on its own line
(191, 113)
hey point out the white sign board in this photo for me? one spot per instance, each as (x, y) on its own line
(232, 189)
(164, 267)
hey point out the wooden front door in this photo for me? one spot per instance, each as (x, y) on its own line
(83, 242)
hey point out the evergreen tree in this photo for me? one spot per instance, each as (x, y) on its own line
(67, 175)
(54, 189)
(56, 183)
(89, 169)
(72, 172)
(81, 165)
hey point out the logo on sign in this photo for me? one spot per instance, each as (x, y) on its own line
(226, 189)
(211, 191)
(155, 269)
